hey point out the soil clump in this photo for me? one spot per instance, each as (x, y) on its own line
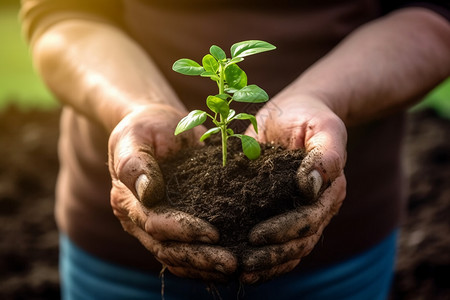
(238, 196)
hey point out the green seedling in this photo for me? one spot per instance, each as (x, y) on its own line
(232, 83)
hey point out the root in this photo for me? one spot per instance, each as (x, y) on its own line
(161, 275)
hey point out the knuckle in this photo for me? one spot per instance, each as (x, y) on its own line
(163, 255)
(149, 227)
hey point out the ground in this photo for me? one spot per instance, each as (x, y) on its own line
(29, 240)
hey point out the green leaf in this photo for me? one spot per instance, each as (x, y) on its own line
(250, 146)
(234, 61)
(235, 77)
(194, 118)
(230, 131)
(208, 133)
(251, 47)
(211, 75)
(244, 116)
(230, 90)
(218, 105)
(210, 64)
(187, 66)
(223, 96)
(231, 115)
(252, 94)
(217, 52)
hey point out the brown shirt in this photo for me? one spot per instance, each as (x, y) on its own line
(303, 32)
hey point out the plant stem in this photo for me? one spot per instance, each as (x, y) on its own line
(221, 79)
(223, 128)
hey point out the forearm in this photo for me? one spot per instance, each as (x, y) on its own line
(381, 67)
(99, 71)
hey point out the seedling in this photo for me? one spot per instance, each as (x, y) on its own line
(232, 83)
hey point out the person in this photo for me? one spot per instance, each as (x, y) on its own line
(340, 80)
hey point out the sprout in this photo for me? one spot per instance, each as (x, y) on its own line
(232, 83)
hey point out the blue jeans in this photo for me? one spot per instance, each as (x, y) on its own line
(365, 276)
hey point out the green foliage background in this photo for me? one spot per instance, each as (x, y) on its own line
(19, 83)
(21, 86)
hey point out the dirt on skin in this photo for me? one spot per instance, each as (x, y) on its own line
(29, 239)
(238, 196)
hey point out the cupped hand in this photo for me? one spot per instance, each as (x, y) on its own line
(280, 242)
(181, 242)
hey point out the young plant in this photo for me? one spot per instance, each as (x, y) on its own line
(232, 84)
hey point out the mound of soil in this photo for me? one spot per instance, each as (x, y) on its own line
(29, 240)
(238, 196)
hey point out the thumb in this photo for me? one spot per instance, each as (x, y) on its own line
(321, 165)
(138, 170)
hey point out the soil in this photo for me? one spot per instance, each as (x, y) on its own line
(238, 196)
(29, 240)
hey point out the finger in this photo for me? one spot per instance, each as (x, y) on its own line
(286, 227)
(137, 141)
(199, 274)
(273, 255)
(149, 186)
(302, 222)
(174, 254)
(266, 118)
(135, 166)
(198, 256)
(168, 224)
(265, 275)
(325, 159)
(318, 169)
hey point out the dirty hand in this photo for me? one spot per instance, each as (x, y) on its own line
(280, 242)
(181, 242)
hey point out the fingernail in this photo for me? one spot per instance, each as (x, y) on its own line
(205, 239)
(316, 181)
(141, 185)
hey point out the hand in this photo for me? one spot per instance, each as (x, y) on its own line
(283, 240)
(181, 242)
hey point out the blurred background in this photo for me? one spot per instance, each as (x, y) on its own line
(28, 166)
(19, 84)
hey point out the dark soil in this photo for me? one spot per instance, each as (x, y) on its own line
(238, 196)
(29, 240)
(28, 236)
(423, 265)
